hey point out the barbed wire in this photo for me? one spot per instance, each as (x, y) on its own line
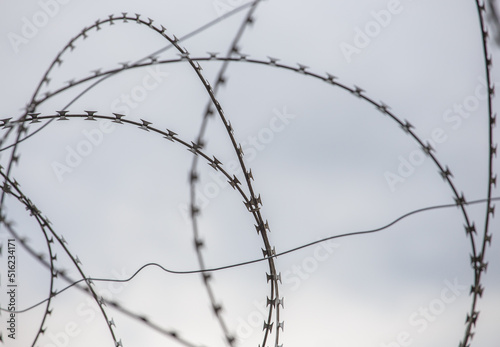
(7, 188)
(251, 200)
(193, 179)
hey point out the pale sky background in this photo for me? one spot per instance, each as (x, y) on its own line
(322, 174)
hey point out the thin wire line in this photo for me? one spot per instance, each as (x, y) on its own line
(249, 262)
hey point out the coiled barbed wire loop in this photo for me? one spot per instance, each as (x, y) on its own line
(225, 173)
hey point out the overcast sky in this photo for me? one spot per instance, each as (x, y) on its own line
(324, 161)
